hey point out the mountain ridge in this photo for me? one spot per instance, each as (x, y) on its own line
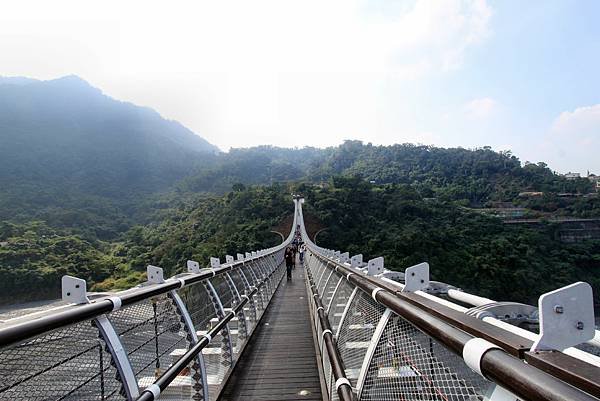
(66, 129)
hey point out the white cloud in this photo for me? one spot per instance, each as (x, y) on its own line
(583, 122)
(574, 140)
(247, 72)
(480, 108)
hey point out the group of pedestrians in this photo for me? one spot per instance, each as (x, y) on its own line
(296, 248)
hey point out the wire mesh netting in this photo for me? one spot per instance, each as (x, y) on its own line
(224, 291)
(327, 370)
(75, 364)
(261, 274)
(239, 281)
(249, 274)
(240, 322)
(153, 336)
(338, 303)
(322, 275)
(217, 359)
(329, 289)
(68, 364)
(326, 277)
(244, 289)
(315, 267)
(199, 305)
(257, 298)
(356, 333)
(408, 365)
(186, 386)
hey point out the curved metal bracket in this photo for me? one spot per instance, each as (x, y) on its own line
(362, 376)
(241, 313)
(511, 312)
(335, 290)
(189, 325)
(346, 308)
(226, 341)
(119, 356)
(326, 281)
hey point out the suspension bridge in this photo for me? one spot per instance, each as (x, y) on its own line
(342, 329)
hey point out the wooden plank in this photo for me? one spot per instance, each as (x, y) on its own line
(279, 362)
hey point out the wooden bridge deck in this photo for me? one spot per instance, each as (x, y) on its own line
(279, 362)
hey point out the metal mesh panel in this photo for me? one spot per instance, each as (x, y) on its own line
(186, 385)
(327, 370)
(66, 364)
(314, 270)
(199, 305)
(152, 334)
(261, 275)
(239, 281)
(250, 307)
(338, 303)
(315, 267)
(258, 298)
(320, 268)
(326, 277)
(321, 275)
(407, 364)
(224, 291)
(216, 360)
(258, 270)
(269, 287)
(239, 324)
(333, 394)
(238, 336)
(356, 332)
(327, 292)
(249, 274)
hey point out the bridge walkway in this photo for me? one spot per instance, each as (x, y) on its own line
(279, 362)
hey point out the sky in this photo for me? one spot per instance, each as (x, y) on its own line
(514, 75)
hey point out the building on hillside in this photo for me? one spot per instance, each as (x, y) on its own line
(595, 179)
(505, 213)
(568, 195)
(571, 176)
(498, 204)
(530, 194)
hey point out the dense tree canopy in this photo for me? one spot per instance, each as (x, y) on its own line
(463, 248)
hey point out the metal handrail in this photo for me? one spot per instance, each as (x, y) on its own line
(55, 319)
(171, 374)
(344, 389)
(496, 364)
(265, 266)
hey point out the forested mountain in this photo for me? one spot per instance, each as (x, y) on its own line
(471, 176)
(98, 188)
(34, 255)
(63, 140)
(475, 176)
(464, 248)
(254, 166)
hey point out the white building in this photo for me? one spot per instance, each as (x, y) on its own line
(571, 176)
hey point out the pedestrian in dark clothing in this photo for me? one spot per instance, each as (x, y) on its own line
(294, 252)
(289, 262)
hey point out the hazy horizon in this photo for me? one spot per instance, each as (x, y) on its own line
(510, 75)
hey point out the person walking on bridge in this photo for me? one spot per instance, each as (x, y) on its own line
(301, 254)
(289, 262)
